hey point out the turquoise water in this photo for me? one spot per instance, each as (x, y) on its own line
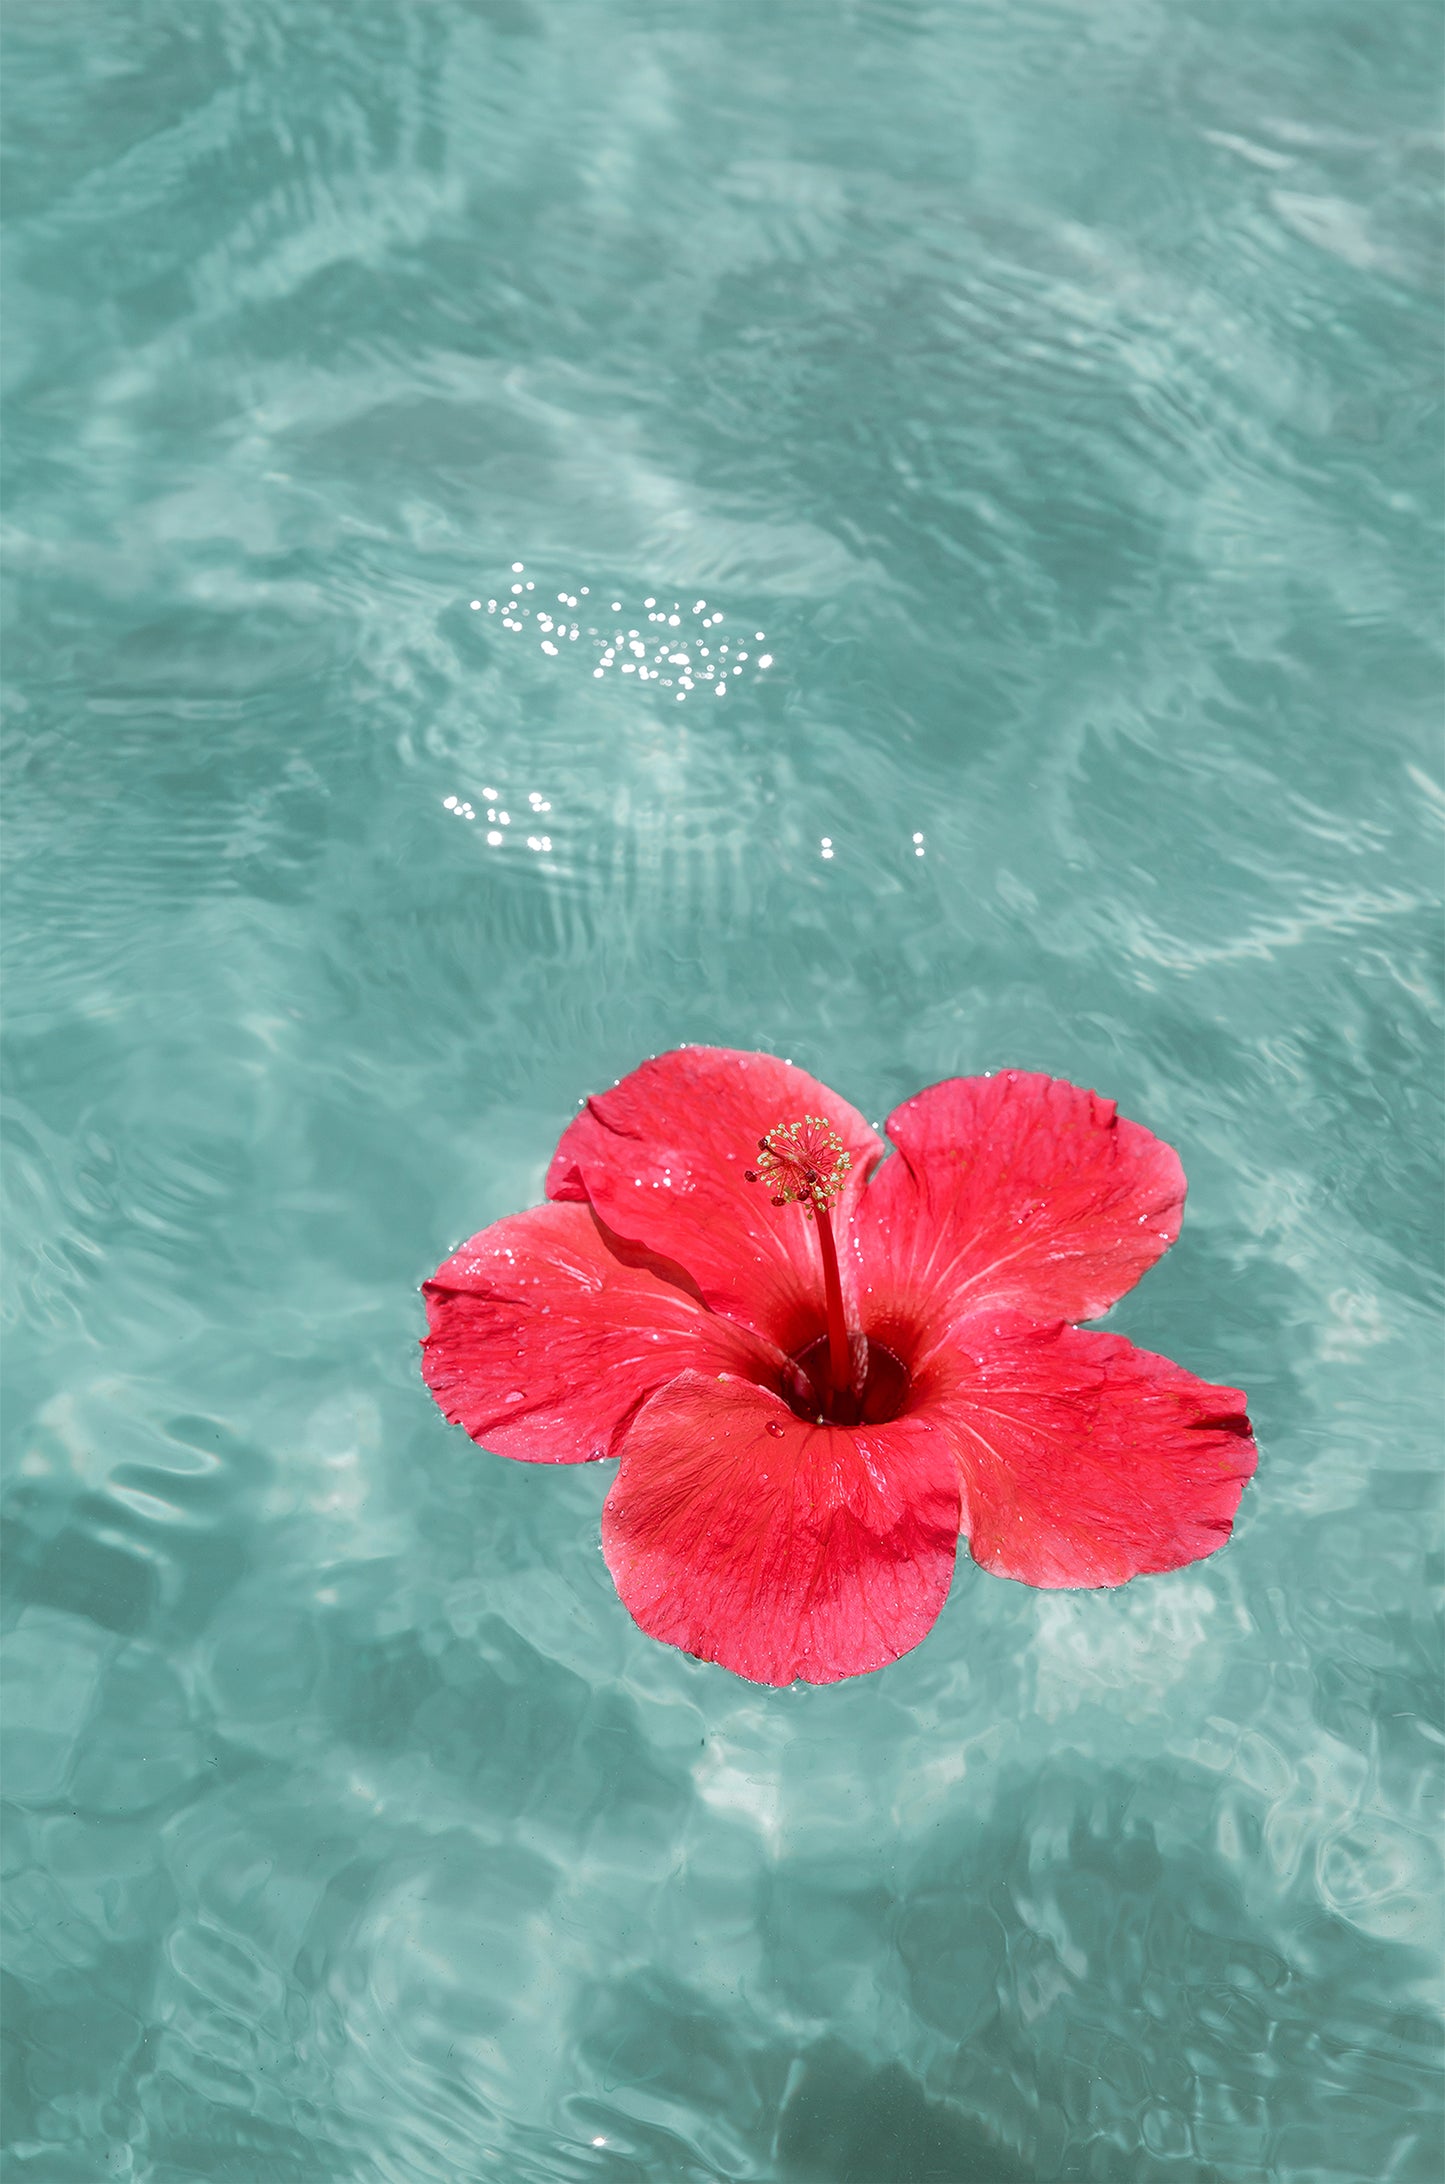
(1055, 388)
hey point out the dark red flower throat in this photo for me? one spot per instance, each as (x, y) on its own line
(838, 1378)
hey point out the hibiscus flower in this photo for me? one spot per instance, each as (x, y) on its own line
(819, 1361)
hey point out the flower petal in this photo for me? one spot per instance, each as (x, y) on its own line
(777, 1548)
(1016, 1190)
(543, 1343)
(662, 1157)
(1084, 1460)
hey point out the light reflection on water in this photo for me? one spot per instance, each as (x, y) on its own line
(1048, 396)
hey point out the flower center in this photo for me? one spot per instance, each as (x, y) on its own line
(805, 1164)
(880, 1384)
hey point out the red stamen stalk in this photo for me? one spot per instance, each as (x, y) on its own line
(840, 1367)
(805, 1163)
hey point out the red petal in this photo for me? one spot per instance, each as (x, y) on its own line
(1084, 1460)
(779, 1549)
(543, 1344)
(663, 1156)
(1019, 1191)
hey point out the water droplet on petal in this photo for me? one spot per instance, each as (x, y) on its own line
(775, 1426)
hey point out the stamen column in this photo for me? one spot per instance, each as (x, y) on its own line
(806, 1163)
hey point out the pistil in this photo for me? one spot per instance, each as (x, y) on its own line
(840, 1367)
(806, 1163)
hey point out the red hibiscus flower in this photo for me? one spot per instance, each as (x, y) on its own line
(818, 1365)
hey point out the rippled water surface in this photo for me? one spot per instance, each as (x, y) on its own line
(1053, 385)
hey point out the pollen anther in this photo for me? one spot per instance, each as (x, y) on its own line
(805, 1162)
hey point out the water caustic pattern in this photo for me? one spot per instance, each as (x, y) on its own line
(1053, 385)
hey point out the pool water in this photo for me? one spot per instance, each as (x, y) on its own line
(1049, 393)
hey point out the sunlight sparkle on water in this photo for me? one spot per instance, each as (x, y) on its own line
(651, 655)
(601, 651)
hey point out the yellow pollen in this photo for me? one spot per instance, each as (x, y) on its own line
(805, 1163)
